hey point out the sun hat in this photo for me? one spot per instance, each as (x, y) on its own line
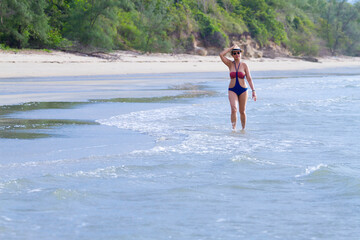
(236, 48)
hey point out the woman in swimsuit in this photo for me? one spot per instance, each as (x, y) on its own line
(237, 87)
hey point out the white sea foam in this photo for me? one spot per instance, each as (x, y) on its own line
(114, 172)
(6, 218)
(156, 122)
(109, 172)
(220, 220)
(192, 127)
(250, 159)
(326, 102)
(35, 190)
(311, 169)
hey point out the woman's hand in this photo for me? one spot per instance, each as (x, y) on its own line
(254, 95)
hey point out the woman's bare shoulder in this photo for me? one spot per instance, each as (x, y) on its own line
(245, 66)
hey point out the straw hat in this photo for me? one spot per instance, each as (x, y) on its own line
(236, 48)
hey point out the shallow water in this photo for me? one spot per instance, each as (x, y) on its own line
(170, 167)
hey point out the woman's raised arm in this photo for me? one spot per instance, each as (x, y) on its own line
(225, 60)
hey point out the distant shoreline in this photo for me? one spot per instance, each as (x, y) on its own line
(33, 63)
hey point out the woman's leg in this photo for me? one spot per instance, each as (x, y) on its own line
(233, 99)
(242, 107)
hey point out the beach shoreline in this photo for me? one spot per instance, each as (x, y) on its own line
(38, 76)
(36, 63)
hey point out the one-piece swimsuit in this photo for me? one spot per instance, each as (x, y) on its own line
(238, 89)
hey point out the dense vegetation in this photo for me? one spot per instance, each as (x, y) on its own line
(303, 26)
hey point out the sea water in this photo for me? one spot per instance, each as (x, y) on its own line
(171, 168)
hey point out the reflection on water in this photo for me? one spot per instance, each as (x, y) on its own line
(24, 128)
(15, 128)
(191, 94)
(8, 109)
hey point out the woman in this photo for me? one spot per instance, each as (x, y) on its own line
(237, 87)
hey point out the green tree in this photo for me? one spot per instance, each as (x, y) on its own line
(154, 22)
(57, 12)
(128, 31)
(210, 31)
(304, 26)
(339, 18)
(182, 28)
(353, 33)
(93, 22)
(23, 22)
(261, 21)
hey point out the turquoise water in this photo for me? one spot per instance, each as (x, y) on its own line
(170, 167)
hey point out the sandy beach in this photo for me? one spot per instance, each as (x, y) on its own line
(30, 65)
(56, 63)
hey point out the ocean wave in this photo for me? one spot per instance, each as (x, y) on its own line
(314, 170)
(183, 129)
(326, 102)
(352, 86)
(203, 144)
(156, 122)
(109, 172)
(343, 178)
(68, 194)
(142, 170)
(307, 106)
(16, 185)
(251, 160)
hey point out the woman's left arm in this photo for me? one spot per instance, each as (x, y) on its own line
(249, 79)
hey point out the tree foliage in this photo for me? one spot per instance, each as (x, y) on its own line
(155, 24)
(340, 26)
(303, 26)
(93, 22)
(23, 22)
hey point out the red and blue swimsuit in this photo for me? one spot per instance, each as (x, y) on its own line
(238, 89)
